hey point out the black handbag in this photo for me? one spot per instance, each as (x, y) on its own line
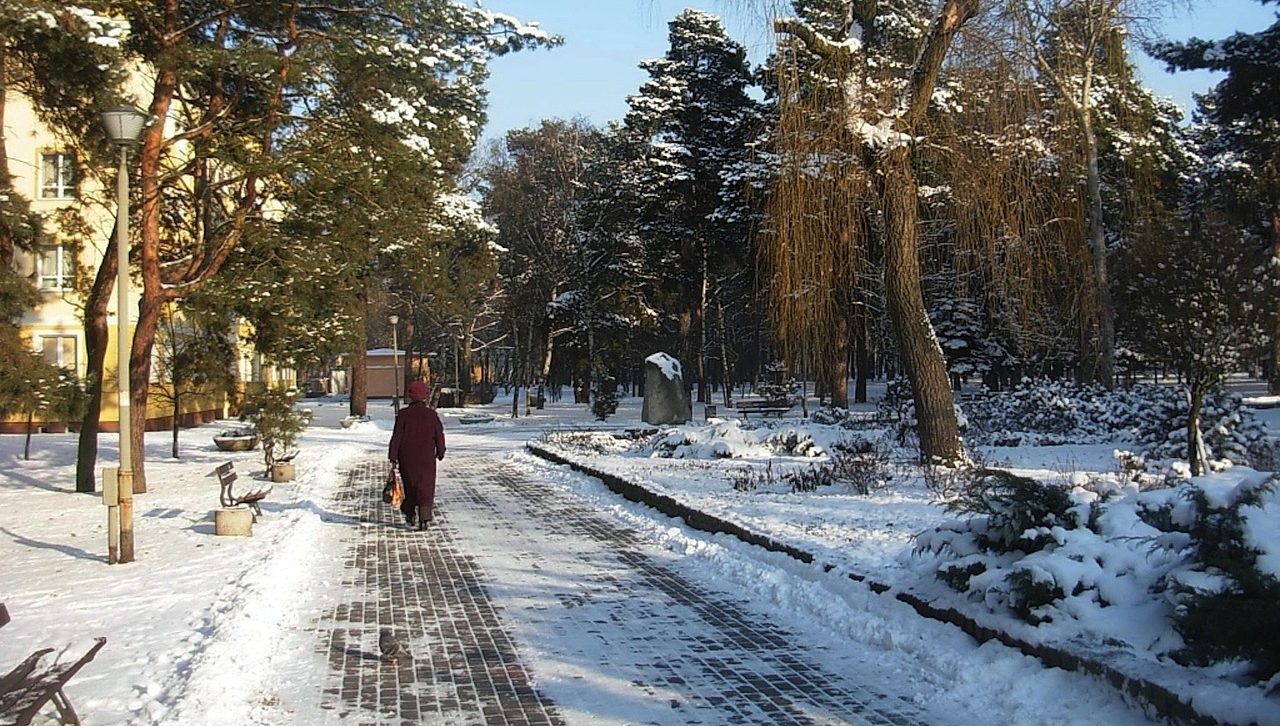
(389, 486)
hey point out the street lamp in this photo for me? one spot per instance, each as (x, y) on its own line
(123, 125)
(395, 362)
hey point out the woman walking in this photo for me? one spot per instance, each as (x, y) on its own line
(416, 445)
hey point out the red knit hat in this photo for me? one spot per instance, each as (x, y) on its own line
(417, 391)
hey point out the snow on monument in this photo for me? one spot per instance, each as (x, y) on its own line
(665, 399)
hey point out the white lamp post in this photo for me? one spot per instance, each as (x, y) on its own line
(395, 361)
(123, 125)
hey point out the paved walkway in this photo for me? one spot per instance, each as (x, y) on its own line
(607, 622)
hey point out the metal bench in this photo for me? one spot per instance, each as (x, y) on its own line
(38, 681)
(775, 406)
(227, 477)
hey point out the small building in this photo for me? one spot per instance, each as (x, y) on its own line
(381, 365)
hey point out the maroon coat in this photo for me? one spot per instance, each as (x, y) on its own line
(416, 445)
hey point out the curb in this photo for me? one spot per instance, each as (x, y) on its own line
(1154, 698)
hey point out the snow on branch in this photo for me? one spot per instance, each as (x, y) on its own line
(840, 52)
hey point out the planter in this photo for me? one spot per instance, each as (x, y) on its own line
(233, 522)
(282, 471)
(236, 440)
(476, 419)
(350, 421)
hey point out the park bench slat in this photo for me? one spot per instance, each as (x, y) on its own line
(28, 687)
(773, 406)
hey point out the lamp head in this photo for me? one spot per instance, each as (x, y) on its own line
(124, 124)
(394, 319)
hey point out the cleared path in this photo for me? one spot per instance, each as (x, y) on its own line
(523, 606)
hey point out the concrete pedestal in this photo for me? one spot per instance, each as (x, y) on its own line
(282, 471)
(233, 521)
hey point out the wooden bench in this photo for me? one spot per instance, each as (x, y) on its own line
(775, 406)
(37, 681)
(227, 477)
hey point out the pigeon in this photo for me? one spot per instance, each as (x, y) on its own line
(389, 646)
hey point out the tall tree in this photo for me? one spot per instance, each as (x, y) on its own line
(1245, 106)
(533, 190)
(63, 59)
(1078, 48)
(238, 83)
(894, 55)
(1191, 302)
(817, 290)
(699, 122)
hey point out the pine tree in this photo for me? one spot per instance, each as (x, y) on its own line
(697, 123)
(64, 60)
(1191, 296)
(1245, 106)
(255, 91)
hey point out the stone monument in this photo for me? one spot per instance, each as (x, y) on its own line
(665, 399)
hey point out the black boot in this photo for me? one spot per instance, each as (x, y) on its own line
(410, 519)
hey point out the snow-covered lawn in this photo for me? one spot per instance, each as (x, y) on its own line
(1117, 582)
(197, 618)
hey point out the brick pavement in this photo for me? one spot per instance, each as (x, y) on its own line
(593, 599)
(462, 666)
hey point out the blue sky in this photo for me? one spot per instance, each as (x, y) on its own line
(594, 71)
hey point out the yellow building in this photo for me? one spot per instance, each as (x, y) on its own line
(49, 173)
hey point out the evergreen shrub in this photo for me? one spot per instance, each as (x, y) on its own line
(1202, 551)
(1239, 617)
(1152, 417)
(604, 398)
(275, 420)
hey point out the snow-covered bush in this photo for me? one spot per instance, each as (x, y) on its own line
(1229, 605)
(864, 471)
(1153, 417)
(1197, 564)
(836, 416)
(1231, 431)
(588, 441)
(735, 439)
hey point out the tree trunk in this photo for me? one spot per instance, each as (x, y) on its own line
(1098, 249)
(26, 448)
(150, 308)
(804, 384)
(1195, 441)
(1273, 383)
(515, 373)
(839, 385)
(701, 319)
(862, 357)
(177, 407)
(96, 341)
(921, 355)
(359, 367)
(724, 353)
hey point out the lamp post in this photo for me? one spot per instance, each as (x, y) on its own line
(395, 362)
(123, 125)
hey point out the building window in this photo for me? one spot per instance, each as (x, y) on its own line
(57, 268)
(59, 350)
(57, 175)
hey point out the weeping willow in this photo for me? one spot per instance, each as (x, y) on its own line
(814, 243)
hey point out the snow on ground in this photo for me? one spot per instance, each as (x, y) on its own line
(196, 620)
